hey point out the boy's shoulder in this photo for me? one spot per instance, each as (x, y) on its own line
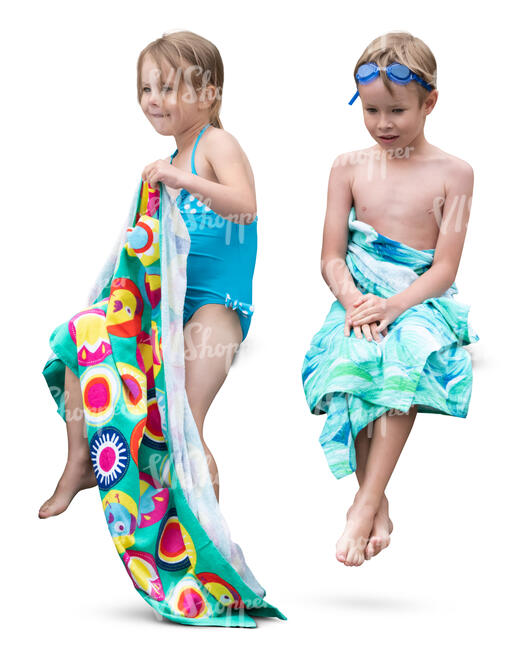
(350, 158)
(451, 162)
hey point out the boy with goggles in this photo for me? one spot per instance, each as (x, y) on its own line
(392, 241)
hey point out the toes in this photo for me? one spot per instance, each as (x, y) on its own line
(54, 506)
(46, 509)
(354, 557)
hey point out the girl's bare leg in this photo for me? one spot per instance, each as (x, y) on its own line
(380, 535)
(78, 473)
(390, 433)
(211, 338)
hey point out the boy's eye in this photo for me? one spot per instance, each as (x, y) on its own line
(400, 110)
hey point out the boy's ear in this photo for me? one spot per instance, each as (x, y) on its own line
(430, 101)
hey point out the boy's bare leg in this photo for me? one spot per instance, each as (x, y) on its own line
(389, 437)
(78, 473)
(211, 338)
(380, 535)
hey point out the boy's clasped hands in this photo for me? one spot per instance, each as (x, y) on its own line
(370, 315)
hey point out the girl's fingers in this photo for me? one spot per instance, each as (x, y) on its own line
(357, 332)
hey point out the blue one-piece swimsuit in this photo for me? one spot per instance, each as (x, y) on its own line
(222, 257)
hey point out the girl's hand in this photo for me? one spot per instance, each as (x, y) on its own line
(368, 308)
(370, 330)
(162, 171)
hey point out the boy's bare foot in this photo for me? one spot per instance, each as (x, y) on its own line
(78, 475)
(350, 547)
(381, 530)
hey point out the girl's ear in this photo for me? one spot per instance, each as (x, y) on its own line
(207, 96)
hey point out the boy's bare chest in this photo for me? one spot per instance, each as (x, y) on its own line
(401, 203)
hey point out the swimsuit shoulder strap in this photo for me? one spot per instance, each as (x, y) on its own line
(194, 171)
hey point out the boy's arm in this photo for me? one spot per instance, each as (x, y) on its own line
(335, 234)
(452, 230)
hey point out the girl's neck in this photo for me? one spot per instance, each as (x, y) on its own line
(185, 139)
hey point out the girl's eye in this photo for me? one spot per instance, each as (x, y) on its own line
(145, 89)
(400, 110)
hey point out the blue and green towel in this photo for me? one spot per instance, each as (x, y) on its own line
(420, 361)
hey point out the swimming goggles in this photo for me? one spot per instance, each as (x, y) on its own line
(397, 72)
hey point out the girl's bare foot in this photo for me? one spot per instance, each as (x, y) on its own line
(381, 530)
(350, 547)
(78, 475)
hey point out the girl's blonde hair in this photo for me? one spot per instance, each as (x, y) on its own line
(182, 49)
(403, 48)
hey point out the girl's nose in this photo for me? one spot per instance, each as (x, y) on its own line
(154, 97)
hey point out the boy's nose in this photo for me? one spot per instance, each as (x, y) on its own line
(385, 124)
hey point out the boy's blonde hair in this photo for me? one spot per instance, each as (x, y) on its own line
(182, 49)
(404, 48)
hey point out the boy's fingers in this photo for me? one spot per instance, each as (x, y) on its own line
(367, 331)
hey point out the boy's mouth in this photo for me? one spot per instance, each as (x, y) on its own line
(388, 138)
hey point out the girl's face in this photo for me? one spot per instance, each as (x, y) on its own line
(168, 99)
(398, 117)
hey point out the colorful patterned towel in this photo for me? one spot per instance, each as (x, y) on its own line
(420, 361)
(127, 348)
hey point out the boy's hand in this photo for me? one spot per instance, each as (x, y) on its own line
(161, 171)
(370, 330)
(368, 308)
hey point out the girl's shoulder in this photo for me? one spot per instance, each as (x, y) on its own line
(222, 150)
(216, 138)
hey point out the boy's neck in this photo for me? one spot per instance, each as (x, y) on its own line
(417, 148)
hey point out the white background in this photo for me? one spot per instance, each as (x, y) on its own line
(74, 142)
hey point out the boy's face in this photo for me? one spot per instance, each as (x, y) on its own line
(397, 114)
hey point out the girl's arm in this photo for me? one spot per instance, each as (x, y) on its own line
(335, 235)
(452, 230)
(233, 197)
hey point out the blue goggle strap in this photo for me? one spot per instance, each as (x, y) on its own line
(414, 76)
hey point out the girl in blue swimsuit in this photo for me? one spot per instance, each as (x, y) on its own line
(220, 266)
(176, 76)
(222, 257)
